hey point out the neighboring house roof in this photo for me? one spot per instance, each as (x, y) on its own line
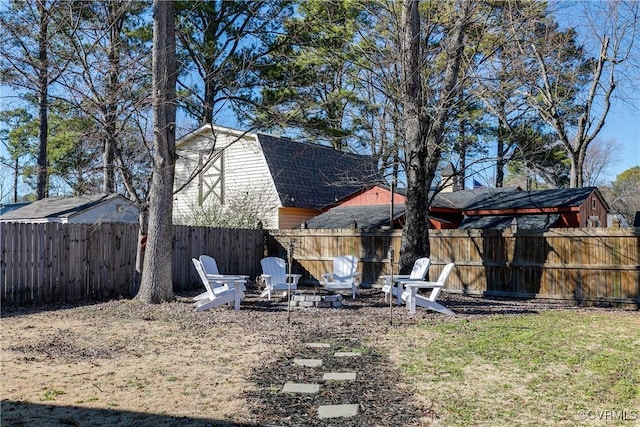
(461, 199)
(361, 217)
(483, 209)
(557, 198)
(6, 208)
(532, 210)
(525, 222)
(314, 176)
(59, 207)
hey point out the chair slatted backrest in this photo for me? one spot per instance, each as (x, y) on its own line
(203, 277)
(445, 273)
(344, 268)
(209, 264)
(276, 268)
(441, 281)
(420, 268)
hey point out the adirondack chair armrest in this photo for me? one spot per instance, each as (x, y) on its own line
(224, 280)
(227, 277)
(420, 284)
(407, 281)
(327, 277)
(294, 278)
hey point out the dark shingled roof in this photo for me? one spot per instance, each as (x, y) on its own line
(314, 176)
(56, 207)
(362, 217)
(562, 197)
(6, 208)
(463, 198)
(498, 222)
(369, 217)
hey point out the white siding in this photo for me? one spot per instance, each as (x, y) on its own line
(245, 170)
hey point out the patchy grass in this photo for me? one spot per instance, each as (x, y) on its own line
(495, 363)
(552, 368)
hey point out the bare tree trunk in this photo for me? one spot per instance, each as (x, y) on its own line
(16, 175)
(108, 172)
(425, 133)
(156, 285)
(415, 235)
(463, 147)
(43, 91)
(500, 156)
(116, 21)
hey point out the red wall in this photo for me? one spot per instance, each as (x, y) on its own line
(374, 196)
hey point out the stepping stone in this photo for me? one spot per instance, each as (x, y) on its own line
(339, 376)
(301, 388)
(334, 411)
(347, 353)
(314, 363)
(318, 345)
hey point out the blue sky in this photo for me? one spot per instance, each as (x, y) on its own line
(623, 127)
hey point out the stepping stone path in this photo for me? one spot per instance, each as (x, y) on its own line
(318, 345)
(313, 363)
(334, 411)
(346, 353)
(339, 376)
(325, 411)
(301, 388)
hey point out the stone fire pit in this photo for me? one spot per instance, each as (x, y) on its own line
(318, 299)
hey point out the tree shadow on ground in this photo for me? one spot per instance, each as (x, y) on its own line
(465, 305)
(40, 414)
(12, 310)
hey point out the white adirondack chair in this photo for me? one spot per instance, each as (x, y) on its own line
(344, 276)
(418, 272)
(276, 278)
(210, 266)
(413, 299)
(219, 290)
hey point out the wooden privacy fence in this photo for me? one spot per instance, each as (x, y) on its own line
(54, 262)
(66, 262)
(589, 265)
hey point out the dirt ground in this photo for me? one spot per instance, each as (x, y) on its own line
(125, 363)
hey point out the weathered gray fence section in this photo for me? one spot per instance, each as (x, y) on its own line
(585, 265)
(236, 251)
(59, 262)
(54, 262)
